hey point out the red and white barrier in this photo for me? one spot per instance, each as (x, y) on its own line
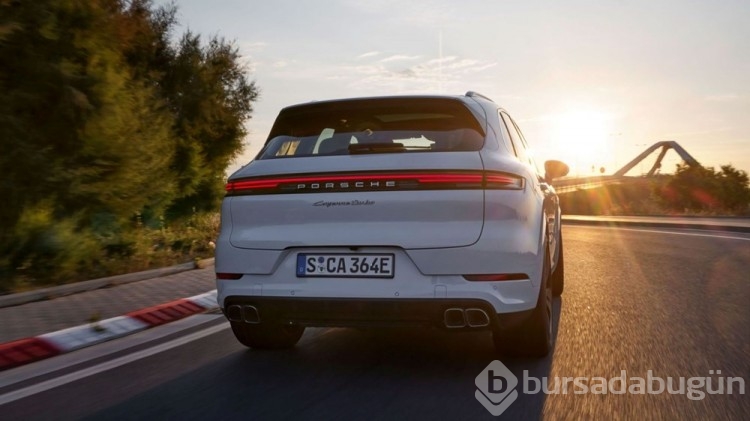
(28, 350)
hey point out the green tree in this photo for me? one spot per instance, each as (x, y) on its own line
(703, 189)
(734, 189)
(208, 91)
(85, 140)
(102, 118)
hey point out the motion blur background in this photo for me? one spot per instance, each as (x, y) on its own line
(121, 119)
(591, 82)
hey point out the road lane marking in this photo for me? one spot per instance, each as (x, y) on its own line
(691, 234)
(105, 366)
(103, 350)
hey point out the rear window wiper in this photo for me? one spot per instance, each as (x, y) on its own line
(362, 148)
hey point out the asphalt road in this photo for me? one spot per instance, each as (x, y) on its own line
(674, 302)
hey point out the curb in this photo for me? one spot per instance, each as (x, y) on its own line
(74, 288)
(657, 224)
(28, 350)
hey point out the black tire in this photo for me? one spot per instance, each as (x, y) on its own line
(267, 336)
(533, 337)
(557, 280)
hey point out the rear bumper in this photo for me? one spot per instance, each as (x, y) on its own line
(338, 312)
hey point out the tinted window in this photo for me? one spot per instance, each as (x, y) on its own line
(392, 124)
(529, 151)
(515, 138)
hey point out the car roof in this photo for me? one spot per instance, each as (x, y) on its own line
(466, 98)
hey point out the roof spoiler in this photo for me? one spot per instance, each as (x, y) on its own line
(477, 95)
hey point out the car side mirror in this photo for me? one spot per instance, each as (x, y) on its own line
(555, 169)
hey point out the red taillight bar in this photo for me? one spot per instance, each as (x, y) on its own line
(503, 181)
(222, 275)
(421, 178)
(479, 179)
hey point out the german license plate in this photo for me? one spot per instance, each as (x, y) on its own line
(345, 265)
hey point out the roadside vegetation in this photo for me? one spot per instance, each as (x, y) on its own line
(697, 191)
(115, 136)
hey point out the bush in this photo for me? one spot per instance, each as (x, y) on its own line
(112, 135)
(690, 191)
(705, 190)
(636, 197)
(55, 253)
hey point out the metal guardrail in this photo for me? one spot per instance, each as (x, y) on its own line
(726, 223)
(583, 183)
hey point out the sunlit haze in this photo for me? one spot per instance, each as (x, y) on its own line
(590, 82)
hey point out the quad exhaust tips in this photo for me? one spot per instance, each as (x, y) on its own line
(245, 314)
(455, 318)
(476, 317)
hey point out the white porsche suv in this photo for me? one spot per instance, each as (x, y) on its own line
(392, 211)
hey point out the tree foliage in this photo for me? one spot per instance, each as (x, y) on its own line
(696, 189)
(210, 102)
(692, 190)
(102, 118)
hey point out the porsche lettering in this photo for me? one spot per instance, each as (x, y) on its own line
(346, 185)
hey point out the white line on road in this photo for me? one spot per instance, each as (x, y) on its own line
(117, 362)
(692, 234)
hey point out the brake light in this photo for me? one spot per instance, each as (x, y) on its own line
(496, 277)
(503, 181)
(380, 181)
(223, 275)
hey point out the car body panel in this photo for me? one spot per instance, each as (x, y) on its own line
(408, 283)
(436, 236)
(409, 219)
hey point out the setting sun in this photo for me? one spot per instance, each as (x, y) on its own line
(583, 139)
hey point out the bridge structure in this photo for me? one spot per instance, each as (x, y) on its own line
(567, 185)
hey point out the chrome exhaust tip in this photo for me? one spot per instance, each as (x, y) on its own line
(250, 315)
(234, 313)
(476, 317)
(454, 318)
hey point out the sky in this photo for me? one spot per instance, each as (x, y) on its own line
(592, 83)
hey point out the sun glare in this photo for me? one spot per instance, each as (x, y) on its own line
(583, 139)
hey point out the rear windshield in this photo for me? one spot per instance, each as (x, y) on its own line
(373, 126)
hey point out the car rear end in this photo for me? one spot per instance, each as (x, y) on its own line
(380, 212)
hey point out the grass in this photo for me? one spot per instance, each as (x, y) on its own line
(140, 248)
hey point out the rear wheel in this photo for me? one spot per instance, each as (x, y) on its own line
(533, 337)
(267, 336)
(557, 280)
